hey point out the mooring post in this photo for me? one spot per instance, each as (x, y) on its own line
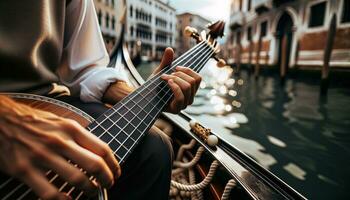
(327, 55)
(257, 62)
(284, 62)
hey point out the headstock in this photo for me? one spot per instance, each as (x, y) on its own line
(215, 30)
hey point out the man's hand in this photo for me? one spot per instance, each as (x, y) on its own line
(33, 141)
(184, 83)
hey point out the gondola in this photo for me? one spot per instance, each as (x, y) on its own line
(207, 171)
(206, 166)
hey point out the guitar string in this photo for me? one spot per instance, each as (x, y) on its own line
(129, 135)
(98, 124)
(135, 115)
(129, 100)
(163, 105)
(155, 79)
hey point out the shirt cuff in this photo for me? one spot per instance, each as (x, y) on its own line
(93, 88)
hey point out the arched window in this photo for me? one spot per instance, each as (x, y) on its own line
(107, 20)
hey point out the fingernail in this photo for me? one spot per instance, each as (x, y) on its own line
(179, 67)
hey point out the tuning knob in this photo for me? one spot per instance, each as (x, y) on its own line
(189, 31)
(220, 62)
(192, 32)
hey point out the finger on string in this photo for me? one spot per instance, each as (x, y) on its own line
(40, 185)
(184, 86)
(189, 80)
(167, 58)
(92, 143)
(191, 73)
(91, 163)
(178, 103)
(70, 173)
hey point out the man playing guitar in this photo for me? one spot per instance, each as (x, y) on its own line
(45, 42)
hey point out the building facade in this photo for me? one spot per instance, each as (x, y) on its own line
(151, 27)
(109, 12)
(289, 33)
(184, 43)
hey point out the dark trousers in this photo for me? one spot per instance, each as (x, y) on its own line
(146, 173)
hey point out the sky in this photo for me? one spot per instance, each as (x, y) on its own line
(210, 9)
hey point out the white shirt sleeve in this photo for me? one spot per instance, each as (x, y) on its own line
(85, 58)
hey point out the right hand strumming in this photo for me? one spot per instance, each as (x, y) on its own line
(33, 141)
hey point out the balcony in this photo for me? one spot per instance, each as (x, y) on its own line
(262, 5)
(236, 20)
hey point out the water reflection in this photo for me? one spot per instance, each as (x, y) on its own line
(301, 138)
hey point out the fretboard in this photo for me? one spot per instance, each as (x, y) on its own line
(124, 125)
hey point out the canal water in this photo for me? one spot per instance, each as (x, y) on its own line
(289, 129)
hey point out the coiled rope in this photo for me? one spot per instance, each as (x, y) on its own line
(214, 165)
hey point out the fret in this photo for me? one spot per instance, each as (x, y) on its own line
(115, 117)
(121, 151)
(129, 142)
(98, 130)
(142, 114)
(118, 157)
(121, 137)
(136, 120)
(115, 144)
(106, 137)
(141, 127)
(107, 123)
(129, 128)
(121, 122)
(133, 115)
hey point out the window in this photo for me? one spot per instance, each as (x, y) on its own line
(317, 15)
(249, 33)
(263, 29)
(113, 23)
(107, 21)
(249, 6)
(131, 11)
(345, 16)
(131, 30)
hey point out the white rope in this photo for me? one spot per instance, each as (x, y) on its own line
(230, 184)
(184, 147)
(192, 179)
(185, 165)
(214, 165)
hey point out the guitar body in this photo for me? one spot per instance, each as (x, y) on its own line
(10, 188)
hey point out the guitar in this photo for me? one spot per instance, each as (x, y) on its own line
(131, 118)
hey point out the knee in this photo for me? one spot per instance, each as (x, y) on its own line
(161, 151)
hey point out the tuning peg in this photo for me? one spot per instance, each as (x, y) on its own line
(192, 32)
(220, 62)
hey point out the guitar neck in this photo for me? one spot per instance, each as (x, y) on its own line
(123, 126)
